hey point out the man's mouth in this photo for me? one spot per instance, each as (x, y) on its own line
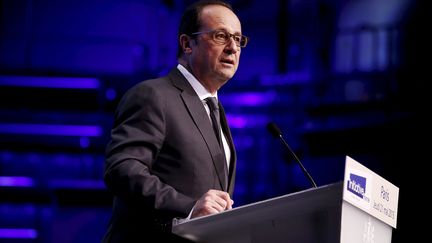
(227, 61)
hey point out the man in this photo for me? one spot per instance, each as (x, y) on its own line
(165, 161)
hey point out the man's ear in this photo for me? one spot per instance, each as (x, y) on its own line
(185, 42)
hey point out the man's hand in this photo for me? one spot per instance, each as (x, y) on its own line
(212, 202)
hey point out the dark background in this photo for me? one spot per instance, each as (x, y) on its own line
(342, 77)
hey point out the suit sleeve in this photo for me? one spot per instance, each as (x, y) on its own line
(136, 138)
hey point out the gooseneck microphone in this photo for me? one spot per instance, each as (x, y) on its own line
(276, 132)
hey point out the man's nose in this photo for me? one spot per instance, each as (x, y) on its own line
(232, 46)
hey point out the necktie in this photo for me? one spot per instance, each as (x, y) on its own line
(215, 117)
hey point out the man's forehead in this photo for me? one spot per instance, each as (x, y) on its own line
(217, 16)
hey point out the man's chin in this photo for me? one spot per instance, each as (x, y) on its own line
(225, 78)
(227, 74)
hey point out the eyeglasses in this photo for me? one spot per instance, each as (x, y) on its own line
(223, 37)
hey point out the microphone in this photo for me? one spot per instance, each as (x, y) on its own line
(276, 132)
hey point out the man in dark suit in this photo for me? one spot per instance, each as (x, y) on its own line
(165, 159)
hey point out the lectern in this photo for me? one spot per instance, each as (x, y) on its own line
(360, 209)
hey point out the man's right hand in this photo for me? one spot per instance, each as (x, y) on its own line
(213, 201)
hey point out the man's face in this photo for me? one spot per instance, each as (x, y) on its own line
(211, 62)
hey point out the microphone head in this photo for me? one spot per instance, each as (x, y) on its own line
(274, 129)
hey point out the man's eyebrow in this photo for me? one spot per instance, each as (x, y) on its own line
(235, 33)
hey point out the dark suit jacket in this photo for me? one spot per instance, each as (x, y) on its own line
(163, 155)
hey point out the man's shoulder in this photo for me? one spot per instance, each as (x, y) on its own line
(150, 82)
(162, 79)
(158, 85)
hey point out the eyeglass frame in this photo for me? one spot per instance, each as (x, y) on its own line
(242, 37)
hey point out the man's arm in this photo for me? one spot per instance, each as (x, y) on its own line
(136, 139)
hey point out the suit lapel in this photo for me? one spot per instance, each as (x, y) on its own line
(199, 115)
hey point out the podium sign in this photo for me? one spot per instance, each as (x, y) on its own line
(369, 210)
(328, 214)
(370, 192)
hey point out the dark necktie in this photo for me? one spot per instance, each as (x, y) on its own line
(215, 117)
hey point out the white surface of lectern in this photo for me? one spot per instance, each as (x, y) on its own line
(361, 209)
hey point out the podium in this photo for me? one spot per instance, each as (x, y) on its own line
(361, 209)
